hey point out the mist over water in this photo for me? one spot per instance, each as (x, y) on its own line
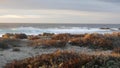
(46, 25)
(34, 29)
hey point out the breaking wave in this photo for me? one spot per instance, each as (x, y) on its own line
(72, 30)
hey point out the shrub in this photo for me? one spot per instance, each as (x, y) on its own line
(64, 37)
(93, 41)
(116, 50)
(66, 59)
(48, 43)
(58, 59)
(76, 41)
(32, 37)
(104, 62)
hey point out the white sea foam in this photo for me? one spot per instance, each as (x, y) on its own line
(72, 30)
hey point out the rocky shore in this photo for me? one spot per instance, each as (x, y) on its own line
(49, 50)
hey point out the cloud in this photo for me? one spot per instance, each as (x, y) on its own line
(11, 16)
(19, 16)
(113, 1)
(82, 5)
(57, 16)
(65, 11)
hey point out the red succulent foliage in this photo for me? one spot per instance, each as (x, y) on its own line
(65, 37)
(55, 43)
(58, 59)
(116, 50)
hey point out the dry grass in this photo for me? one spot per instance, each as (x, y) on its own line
(58, 59)
(102, 41)
(94, 40)
(116, 50)
(66, 59)
(64, 37)
(32, 37)
(48, 43)
(105, 41)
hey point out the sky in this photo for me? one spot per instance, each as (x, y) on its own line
(60, 11)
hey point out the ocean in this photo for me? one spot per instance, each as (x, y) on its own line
(38, 28)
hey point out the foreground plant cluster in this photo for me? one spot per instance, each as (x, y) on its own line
(66, 59)
(105, 41)
(110, 41)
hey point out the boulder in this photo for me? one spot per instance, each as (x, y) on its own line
(8, 35)
(16, 49)
(3, 45)
(14, 36)
(47, 34)
(20, 36)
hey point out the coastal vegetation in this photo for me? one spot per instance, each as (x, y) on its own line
(65, 58)
(94, 40)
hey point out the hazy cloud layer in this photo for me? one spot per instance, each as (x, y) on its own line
(68, 11)
(113, 1)
(83, 5)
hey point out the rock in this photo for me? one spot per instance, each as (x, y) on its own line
(16, 49)
(77, 35)
(15, 36)
(8, 35)
(12, 42)
(3, 45)
(1, 49)
(1, 54)
(47, 34)
(20, 36)
(104, 28)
